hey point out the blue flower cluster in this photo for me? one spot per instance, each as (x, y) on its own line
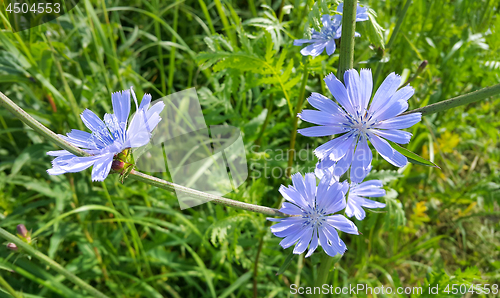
(355, 122)
(331, 30)
(355, 119)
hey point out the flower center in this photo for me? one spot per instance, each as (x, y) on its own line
(315, 218)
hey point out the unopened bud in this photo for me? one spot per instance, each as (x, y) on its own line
(422, 66)
(22, 231)
(12, 246)
(117, 165)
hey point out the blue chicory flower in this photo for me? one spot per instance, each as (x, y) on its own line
(359, 123)
(331, 30)
(357, 192)
(314, 221)
(108, 138)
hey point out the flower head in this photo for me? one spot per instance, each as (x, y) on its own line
(314, 222)
(109, 137)
(357, 123)
(357, 192)
(331, 30)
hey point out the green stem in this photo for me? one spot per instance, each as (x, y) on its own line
(171, 68)
(325, 264)
(225, 23)
(457, 101)
(37, 126)
(51, 263)
(41, 129)
(401, 17)
(347, 42)
(8, 288)
(201, 195)
(346, 62)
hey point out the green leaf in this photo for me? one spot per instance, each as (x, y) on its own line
(413, 157)
(287, 262)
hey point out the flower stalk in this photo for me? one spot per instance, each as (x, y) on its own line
(51, 263)
(458, 101)
(347, 42)
(41, 129)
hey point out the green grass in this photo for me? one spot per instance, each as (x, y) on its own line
(132, 240)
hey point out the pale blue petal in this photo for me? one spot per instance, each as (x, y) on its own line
(354, 209)
(327, 105)
(361, 13)
(314, 49)
(299, 42)
(292, 238)
(394, 110)
(361, 162)
(291, 195)
(72, 164)
(396, 136)
(342, 224)
(92, 121)
(365, 88)
(335, 148)
(335, 199)
(59, 153)
(146, 100)
(289, 208)
(384, 92)
(387, 152)
(371, 204)
(400, 122)
(371, 188)
(290, 231)
(351, 79)
(330, 47)
(320, 117)
(314, 244)
(339, 92)
(121, 105)
(300, 186)
(326, 20)
(285, 224)
(336, 246)
(79, 138)
(310, 183)
(321, 131)
(304, 241)
(102, 167)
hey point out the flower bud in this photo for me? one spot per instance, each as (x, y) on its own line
(117, 165)
(22, 231)
(422, 66)
(12, 246)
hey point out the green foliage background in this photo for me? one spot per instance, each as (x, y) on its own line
(441, 226)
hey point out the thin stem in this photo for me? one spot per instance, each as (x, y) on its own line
(401, 17)
(325, 264)
(8, 288)
(37, 126)
(41, 129)
(206, 196)
(51, 263)
(347, 42)
(457, 101)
